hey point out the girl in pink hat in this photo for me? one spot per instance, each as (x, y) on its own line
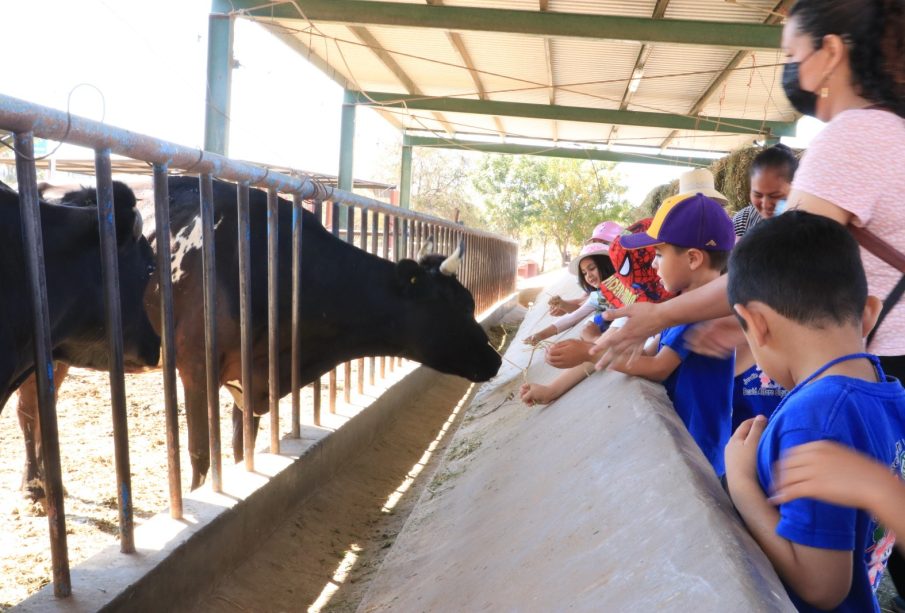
(592, 266)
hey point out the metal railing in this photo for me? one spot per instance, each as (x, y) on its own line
(488, 271)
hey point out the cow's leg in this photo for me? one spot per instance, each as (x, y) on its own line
(238, 436)
(27, 412)
(194, 383)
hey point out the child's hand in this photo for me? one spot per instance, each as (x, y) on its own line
(741, 453)
(831, 472)
(531, 340)
(555, 304)
(534, 393)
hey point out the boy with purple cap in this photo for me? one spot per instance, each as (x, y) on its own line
(692, 235)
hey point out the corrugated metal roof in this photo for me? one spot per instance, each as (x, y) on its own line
(679, 79)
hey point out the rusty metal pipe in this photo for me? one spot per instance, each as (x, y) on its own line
(211, 354)
(167, 335)
(33, 247)
(106, 218)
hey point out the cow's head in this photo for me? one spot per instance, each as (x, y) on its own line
(438, 319)
(135, 261)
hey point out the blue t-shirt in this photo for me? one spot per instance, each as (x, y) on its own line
(701, 392)
(754, 393)
(867, 416)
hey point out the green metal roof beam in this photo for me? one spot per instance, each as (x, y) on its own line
(733, 35)
(560, 152)
(581, 114)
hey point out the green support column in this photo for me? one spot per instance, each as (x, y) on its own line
(405, 176)
(347, 147)
(219, 72)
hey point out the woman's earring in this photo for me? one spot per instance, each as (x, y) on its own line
(824, 92)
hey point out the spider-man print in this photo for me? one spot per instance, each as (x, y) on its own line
(635, 279)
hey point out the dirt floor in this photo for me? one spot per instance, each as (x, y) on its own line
(325, 553)
(86, 447)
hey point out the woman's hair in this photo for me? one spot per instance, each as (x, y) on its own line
(873, 31)
(604, 270)
(779, 158)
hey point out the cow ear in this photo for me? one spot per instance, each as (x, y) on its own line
(128, 220)
(408, 274)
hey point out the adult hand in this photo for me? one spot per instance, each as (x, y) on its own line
(717, 338)
(830, 472)
(568, 353)
(628, 341)
(741, 453)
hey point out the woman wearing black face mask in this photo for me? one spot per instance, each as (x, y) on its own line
(845, 66)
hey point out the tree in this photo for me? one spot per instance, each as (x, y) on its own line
(550, 198)
(441, 182)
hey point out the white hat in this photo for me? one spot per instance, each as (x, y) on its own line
(700, 181)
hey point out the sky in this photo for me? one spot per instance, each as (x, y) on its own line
(142, 66)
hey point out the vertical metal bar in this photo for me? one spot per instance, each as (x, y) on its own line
(347, 367)
(316, 386)
(360, 385)
(372, 361)
(386, 255)
(298, 215)
(167, 334)
(245, 321)
(334, 228)
(398, 254)
(219, 75)
(106, 217)
(33, 247)
(211, 361)
(273, 315)
(405, 175)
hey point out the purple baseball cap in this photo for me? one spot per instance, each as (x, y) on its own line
(687, 221)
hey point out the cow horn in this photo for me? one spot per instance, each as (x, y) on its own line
(426, 249)
(450, 265)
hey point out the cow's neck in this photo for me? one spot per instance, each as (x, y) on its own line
(357, 314)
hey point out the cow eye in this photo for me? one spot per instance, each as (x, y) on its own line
(413, 280)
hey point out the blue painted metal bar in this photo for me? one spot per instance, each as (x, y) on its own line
(114, 319)
(33, 246)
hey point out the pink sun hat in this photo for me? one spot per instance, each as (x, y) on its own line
(586, 251)
(606, 231)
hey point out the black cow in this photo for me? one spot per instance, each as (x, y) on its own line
(354, 304)
(74, 289)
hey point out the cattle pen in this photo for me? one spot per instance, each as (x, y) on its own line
(488, 271)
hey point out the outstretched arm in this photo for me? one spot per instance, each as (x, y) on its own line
(535, 393)
(654, 368)
(836, 474)
(646, 319)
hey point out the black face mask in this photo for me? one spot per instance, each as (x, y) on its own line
(804, 102)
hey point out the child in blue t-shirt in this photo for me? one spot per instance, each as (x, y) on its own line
(797, 284)
(692, 236)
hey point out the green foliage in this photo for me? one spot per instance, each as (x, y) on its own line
(561, 199)
(441, 182)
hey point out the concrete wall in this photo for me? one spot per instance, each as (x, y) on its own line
(598, 502)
